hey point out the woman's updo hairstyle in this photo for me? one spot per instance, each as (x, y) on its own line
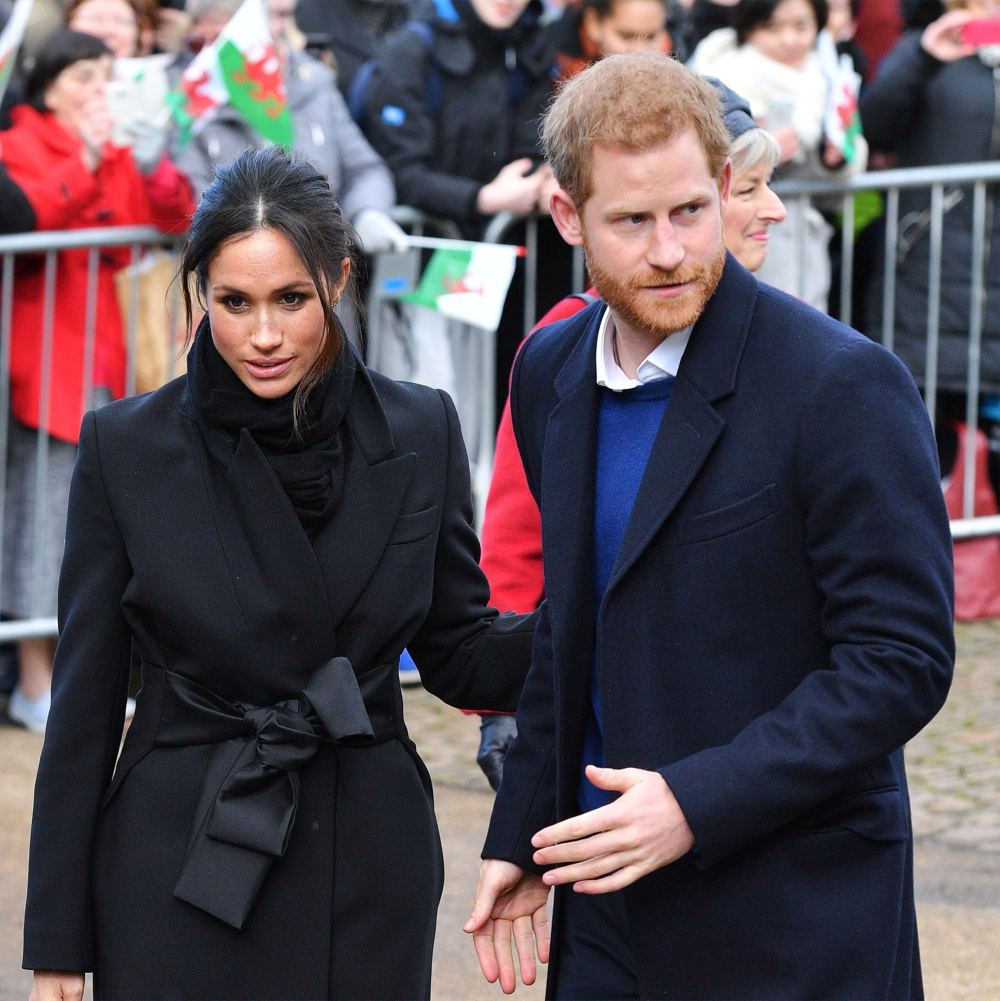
(269, 189)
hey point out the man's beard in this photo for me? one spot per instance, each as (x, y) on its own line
(657, 316)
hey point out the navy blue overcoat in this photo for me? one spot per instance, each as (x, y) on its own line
(777, 625)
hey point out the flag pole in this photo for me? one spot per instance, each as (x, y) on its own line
(435, 242)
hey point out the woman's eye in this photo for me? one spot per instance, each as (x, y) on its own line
(233, 301)
(292, 299)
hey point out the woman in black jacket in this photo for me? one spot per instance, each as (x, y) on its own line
(267, 533)
(935, 103)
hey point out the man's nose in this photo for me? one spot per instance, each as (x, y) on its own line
(665, 250)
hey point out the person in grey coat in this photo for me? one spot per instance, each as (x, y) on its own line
(325, 134)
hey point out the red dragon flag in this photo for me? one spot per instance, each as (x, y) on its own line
(240, 68)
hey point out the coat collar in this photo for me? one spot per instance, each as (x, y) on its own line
(688, 433)
(310, 585)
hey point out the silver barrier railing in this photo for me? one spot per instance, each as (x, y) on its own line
(46, 247)
(476, 405)
(942, 182)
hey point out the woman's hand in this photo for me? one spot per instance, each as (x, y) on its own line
(94, 130)
(49, 985)
(788, 143)
(942, 38)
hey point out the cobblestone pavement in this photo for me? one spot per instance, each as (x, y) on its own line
(954, 769)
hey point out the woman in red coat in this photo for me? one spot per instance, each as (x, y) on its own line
(58, 152)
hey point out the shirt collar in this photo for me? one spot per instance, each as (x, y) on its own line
(661, 363)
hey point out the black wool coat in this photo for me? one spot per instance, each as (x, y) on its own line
(234, 855)
(777, 624)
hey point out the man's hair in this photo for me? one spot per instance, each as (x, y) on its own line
(633, 101)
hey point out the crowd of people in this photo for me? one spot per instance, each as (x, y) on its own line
(435, 104)
(466, 109)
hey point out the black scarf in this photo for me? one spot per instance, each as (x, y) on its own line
(309, 463)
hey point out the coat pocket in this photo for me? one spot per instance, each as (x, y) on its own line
(876, 814)
(732, 518)
(416, 526)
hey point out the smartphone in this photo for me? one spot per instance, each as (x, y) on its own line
(985, 31)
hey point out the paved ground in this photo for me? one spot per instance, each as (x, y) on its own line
(955, 785)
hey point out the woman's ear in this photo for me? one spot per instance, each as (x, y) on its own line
(345, 274)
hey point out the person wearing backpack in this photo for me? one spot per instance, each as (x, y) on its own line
(453, 106)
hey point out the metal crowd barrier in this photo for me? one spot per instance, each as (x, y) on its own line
(476, 354)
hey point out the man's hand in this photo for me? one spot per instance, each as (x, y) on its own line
(49, 986)
(611, 847)
(509, 902)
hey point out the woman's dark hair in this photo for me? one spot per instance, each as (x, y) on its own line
(59, 50)
(748, 15)
(269, 189)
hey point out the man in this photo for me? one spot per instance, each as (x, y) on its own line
(748, 601)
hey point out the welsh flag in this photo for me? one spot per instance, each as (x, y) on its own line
(467, 282)
(240, 68)
(10, 40)
(843, 121)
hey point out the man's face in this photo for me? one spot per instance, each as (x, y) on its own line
(652, 233)
(631, 26)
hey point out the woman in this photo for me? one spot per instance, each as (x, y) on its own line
(268, 532)
(121, 24)
(935, 102)
(770, 57)
(58, 151)
(512, 530)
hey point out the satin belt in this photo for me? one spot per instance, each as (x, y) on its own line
(250, 789)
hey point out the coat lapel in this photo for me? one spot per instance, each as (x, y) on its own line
(568, 498)
(351, 544)
(691, 425)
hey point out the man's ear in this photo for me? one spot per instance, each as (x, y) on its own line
(565, 216)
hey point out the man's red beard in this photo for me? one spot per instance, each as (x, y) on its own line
(657, 316)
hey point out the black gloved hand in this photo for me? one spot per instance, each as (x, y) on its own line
(497, 733)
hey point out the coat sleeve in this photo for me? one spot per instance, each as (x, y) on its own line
(468, 655)
(878, 540)
(401, 127)
(892, 103)
(366, 181)
(89, 689)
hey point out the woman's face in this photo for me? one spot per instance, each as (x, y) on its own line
(112, 21)
(499, 14)
(753, 207)
(77, 86)
(265, 312)
(788, 35)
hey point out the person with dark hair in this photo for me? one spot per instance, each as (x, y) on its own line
(589, 29)
(266, 533)
(16, 213)
(769, 55)
(58, 152)
(748, 601)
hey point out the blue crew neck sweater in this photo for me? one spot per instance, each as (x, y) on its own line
(627, 423)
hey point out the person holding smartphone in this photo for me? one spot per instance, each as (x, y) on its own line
(933, 102)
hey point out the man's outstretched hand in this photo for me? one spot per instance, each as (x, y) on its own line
(510, 904)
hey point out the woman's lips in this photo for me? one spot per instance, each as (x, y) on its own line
(269, 369)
